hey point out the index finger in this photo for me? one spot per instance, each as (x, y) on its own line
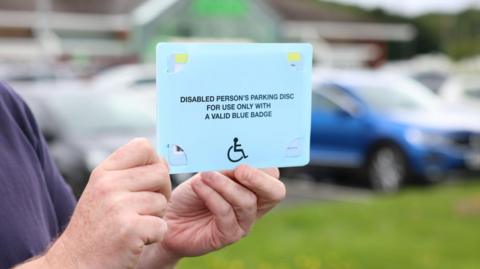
(274, 172)
(137, 152)
(264, 183)
(147, 178)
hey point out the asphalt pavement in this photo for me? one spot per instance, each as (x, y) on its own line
(301, 190)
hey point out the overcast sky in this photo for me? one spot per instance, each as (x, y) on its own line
(415, 7)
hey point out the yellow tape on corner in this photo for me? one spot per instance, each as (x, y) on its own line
(294, 57)
(181, 58)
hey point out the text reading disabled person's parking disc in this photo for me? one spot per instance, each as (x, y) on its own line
(221, 105)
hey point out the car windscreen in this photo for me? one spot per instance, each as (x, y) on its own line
(432, 81)
(472, 92)
(107, 113)
(398, 95)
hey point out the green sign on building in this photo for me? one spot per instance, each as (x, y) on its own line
(220, 7)
(228, 20)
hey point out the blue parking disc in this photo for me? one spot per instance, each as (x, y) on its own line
(221, 105)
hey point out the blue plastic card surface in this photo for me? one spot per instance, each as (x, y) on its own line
(220, 105)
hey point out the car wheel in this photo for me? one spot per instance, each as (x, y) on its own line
(387, 169)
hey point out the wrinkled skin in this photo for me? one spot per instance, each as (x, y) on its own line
(212, 210)
(127, 216)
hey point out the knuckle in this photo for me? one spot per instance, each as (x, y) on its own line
(127, 226)
(225, 211)
(161, 171)
(143, 144)
(140, 141)
(162, 227)
(157, 234)
(250, 201)
(158, 200)
(221, 182)
(163, 176)
(102, 187)
(246, 230)
(138, 247)
(162, 209)
(243, 172)
(239, 234)
(276, 173)
(115, 203)
(162, 200)
(281, 193)
(96, 174)
(133, 175)
(164, 164)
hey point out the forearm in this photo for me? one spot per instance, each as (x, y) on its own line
(34, 263)
(154, 257)
(58, 256)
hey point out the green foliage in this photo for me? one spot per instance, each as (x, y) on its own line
(425, 228)
(457, 35)
(464, 35)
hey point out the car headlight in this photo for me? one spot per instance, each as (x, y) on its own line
(95, 157)
(420, 137)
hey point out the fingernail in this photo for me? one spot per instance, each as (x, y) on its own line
(245, 165)
(208, 176)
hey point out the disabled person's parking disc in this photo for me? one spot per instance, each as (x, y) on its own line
(221, 105)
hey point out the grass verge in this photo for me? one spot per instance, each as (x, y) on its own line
(436, 227)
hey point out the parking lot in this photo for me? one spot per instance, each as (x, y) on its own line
(393, 178)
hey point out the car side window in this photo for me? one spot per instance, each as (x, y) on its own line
(330, 97)
(142, 82)
(341, 99)
(472, 93)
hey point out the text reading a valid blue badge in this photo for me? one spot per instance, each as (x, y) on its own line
(238, 106)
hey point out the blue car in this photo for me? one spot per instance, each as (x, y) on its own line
(390, 128)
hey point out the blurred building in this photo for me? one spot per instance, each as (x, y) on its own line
(82, 30)
(125, 30)
(341, 38)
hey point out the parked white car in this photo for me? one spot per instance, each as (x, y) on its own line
(466, 92)
(137, 77)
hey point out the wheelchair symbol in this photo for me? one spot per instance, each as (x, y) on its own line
(236, 148)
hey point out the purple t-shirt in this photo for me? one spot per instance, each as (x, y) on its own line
(35, 201)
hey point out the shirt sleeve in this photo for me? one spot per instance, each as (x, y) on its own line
(60, 192)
